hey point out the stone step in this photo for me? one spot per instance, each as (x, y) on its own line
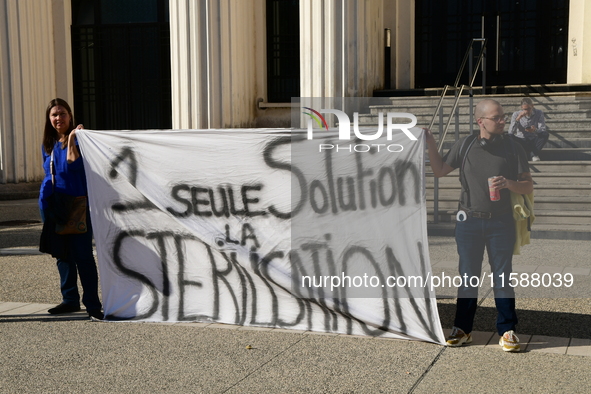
(570, 166)
(575, 110)
(19, 191)
(555, 124)
(513, 100)
(550, 190)
(558, 140)
(555, 141)
(551, 153)
(581, 167)
(556, 154)
(542, 179)
(539, 231)
(566, 136)
(545, 100)
(539, 179)
(543, 217)
(570, 203)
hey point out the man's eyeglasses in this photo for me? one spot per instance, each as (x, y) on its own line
(497, 119)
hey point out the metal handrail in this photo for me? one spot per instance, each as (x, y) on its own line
(456, 86)
(458, 93)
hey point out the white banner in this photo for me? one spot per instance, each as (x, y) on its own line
(262, 227)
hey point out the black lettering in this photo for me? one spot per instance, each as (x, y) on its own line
(182, 282)
(361, 174)
(196, 201)
(373, 188)
(246, 201)
(175, 195)
(164, 269)
(330, 181)
(350, 205)
(315, 249)
(397, 270)
(126, 155)
(404, 170)
(218, 275)
(388, 173)
(272, 163)
(248, 233)
(233, 210)
(224, 201)
(228, 239)
(117, 260)
(240, 317)
(317, 185)
(350, 252)
(254, 265)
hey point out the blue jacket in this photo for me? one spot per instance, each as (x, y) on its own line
(69, 178)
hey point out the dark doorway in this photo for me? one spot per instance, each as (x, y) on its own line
(283, 50)
(526, 40)
(121, 64)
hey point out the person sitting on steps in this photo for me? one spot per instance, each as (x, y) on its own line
(528, 128)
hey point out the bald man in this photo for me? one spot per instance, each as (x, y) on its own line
(483, 223)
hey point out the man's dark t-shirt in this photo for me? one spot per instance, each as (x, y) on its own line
(482, 164)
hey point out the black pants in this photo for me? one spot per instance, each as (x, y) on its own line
(533, 146)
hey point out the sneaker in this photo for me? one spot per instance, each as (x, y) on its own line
(458, 337)
(509, 342)
(535, 158)
(64, 308)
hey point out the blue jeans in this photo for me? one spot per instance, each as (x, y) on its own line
(497, 236)
(79, 261)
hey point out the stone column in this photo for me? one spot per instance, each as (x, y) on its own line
(213, 62)
(35, 66)
(579, 42)
(342, 47)
(404, 43)
(341, 50)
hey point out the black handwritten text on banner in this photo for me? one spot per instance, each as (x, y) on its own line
(254, 227)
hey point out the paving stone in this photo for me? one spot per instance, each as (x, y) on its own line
(550, 270)
(546, 344)
(577, 271)
(524, 268)
(28, 309)
(579, 347)
(193, 324)
(226, 326)
(8, 306)
(252, 328)
(481, 338)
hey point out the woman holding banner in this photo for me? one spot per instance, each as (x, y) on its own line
(63, 188)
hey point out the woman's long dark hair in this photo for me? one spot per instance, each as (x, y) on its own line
(50, 136)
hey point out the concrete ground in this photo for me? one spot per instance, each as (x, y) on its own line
(41, 353)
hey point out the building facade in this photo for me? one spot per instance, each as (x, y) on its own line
(145, 64)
